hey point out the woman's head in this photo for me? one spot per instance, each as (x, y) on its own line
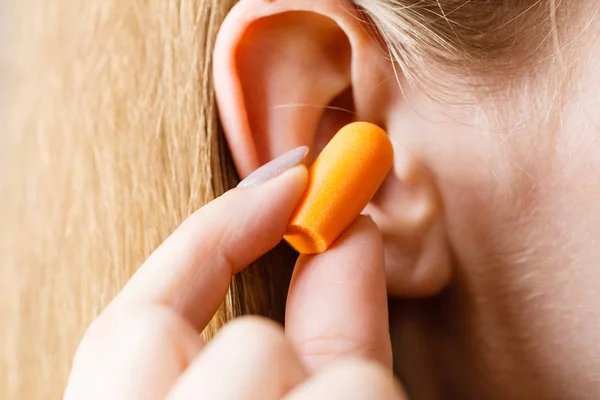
(490, 106)
(490, 247)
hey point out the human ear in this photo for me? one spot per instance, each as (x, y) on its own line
(291, 73)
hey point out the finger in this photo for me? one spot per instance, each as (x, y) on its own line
(337, 303)
(191, 271)
(139, 357)
(350, 380)
(249, 359)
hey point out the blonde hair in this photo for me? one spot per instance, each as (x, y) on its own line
(111, 138)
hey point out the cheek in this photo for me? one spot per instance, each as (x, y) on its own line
(521, 203)
(525, 307)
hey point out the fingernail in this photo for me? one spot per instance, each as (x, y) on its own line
(364, 214)
(275, 167)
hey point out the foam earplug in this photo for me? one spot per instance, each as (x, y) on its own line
(342, 181)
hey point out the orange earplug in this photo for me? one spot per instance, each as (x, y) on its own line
(342, 181)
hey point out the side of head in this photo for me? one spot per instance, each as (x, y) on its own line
(485, 214)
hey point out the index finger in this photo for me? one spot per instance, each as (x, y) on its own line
(191, 271)
(337, 303)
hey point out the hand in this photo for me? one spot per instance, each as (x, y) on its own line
(146, 343)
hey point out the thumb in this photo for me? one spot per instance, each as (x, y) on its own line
(337, 303)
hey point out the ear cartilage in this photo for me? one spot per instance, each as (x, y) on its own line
(342, 181)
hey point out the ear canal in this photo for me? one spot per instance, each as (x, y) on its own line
(337, 114)
(291, 66)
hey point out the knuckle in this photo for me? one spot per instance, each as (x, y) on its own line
(324, 348)
(142, 327)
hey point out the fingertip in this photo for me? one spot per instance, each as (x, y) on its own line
(293, 180)
(286, 188)
(293, 176)
(361, 237)
(364, 224)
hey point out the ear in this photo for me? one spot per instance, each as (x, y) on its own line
(291, 73)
